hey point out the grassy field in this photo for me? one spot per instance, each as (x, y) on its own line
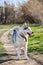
(8, 26)
(35, 42)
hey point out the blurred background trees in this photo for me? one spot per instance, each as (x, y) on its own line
(31, 11)
(9, 13)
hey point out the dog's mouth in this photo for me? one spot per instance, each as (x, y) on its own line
(29, 34)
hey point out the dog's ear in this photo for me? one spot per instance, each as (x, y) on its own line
(26, 24)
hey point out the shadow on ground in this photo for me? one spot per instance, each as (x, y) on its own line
(6, 58)
(38, 61)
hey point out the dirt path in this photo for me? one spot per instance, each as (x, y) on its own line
(11, 60)
(9, 47)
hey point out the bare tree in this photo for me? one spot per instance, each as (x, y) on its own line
(9, 13)
(1, 15)
(33, 11)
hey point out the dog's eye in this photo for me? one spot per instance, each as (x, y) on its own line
(25, 28)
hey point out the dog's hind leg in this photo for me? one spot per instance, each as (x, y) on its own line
(18, 53)
(15, 51)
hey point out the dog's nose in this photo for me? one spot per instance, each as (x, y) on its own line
(32, 32)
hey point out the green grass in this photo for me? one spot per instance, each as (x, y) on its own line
(1, 44)
(1, 48)
(8, 26)
(35, 42)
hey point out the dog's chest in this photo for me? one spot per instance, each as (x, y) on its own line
(20, 41)
(23, 42)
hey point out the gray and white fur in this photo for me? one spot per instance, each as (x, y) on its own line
(20, 38)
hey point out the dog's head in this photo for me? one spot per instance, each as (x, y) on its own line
(27, 29)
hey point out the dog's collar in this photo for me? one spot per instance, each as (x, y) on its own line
(23, 37)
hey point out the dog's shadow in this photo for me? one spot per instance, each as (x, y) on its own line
(8, 58)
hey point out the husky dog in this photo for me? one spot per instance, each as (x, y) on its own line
(20, 38)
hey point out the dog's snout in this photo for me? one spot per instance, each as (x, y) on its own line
(32, 32)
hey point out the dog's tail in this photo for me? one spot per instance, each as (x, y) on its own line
(14, 36)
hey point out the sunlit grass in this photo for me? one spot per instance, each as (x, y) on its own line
(35, 42)
(9, 26)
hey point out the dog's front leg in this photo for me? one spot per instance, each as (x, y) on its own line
(25, 52)
(18, 53)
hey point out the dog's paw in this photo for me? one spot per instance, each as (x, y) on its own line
(27, 58)
(18, 58)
